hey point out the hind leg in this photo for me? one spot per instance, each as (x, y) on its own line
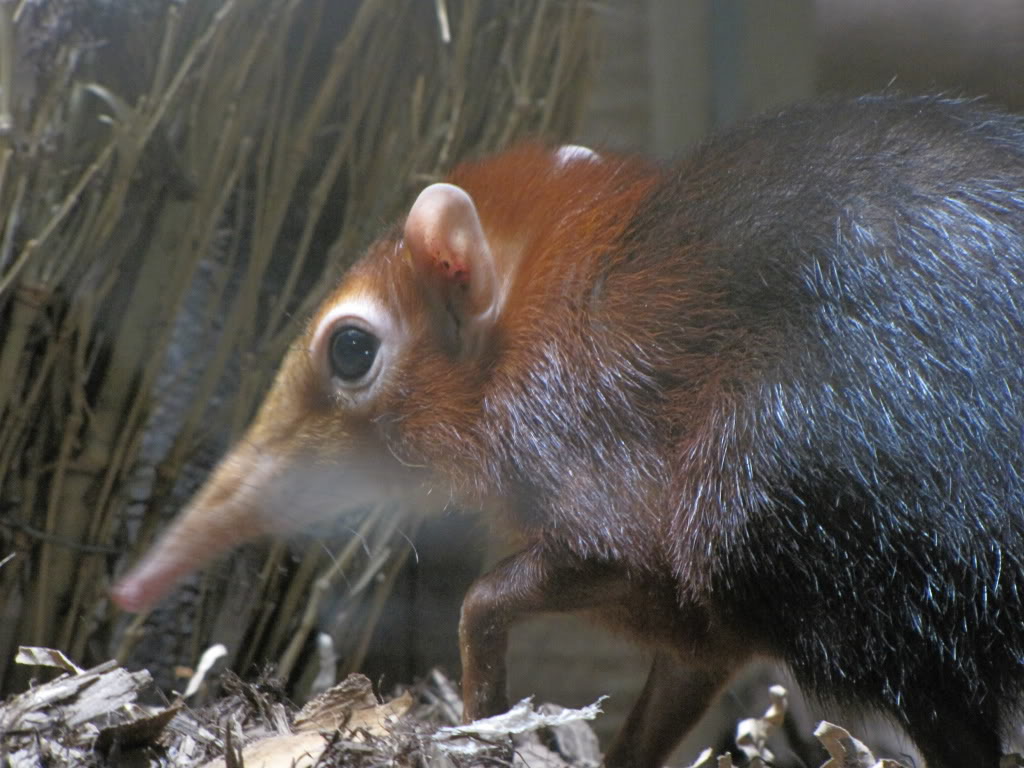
(673, 700)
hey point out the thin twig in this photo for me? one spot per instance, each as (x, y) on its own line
(7, 51)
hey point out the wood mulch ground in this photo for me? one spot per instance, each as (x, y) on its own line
(92, 717)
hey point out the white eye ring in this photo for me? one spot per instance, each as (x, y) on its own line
(358, 313)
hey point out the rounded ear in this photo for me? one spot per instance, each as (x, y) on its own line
(447, 242)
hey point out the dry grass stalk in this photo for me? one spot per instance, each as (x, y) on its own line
(250, 144)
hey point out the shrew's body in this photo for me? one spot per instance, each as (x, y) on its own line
(765, 402)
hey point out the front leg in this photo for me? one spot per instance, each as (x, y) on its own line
(522, 585)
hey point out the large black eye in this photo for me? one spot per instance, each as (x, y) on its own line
(352, 352)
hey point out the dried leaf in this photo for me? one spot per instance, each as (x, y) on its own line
(752, 733)
(522, 718)
(206, 662)
(573, 740)
(34, 656)
(847, 752)
(334, 706)
(140, 732)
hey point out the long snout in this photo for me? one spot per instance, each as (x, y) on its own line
(229, 510)
(256, 490)
(198, 536)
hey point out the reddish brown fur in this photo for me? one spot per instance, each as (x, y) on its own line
(556, 228)
(592, 509)
(537, 223)
(562, 228)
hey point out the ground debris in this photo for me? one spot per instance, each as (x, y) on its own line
(847, 752)
(62, 721)
(91, 718)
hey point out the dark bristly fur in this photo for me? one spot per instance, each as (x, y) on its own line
(857, 506)
(844, 388)
(768, 402)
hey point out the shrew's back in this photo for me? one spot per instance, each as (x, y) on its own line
(862, 491)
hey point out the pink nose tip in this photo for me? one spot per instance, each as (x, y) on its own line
(129, 596)
(149, 581)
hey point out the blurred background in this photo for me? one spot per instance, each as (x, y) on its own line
(180, 182)
(669, 71)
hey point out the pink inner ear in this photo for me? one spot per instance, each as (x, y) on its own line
(443, 231)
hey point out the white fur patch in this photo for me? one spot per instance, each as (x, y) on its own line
(365, 311)
(575, 153)
(358, 306)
